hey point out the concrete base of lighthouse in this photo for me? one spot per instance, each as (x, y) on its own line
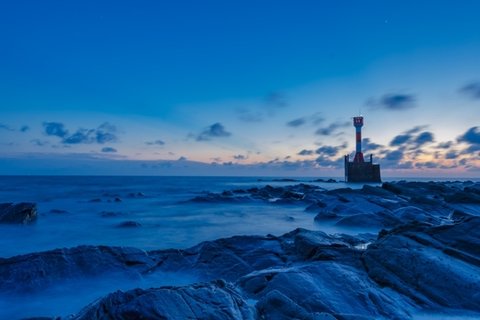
(361, 171)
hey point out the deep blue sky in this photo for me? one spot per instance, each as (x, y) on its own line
(130, 84)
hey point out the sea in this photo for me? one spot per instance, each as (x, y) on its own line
(93, 210)
(90, 210)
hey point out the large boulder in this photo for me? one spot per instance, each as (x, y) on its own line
(37, 271)
(216, 301)
(323, 287)
(23, 213)
(434, 266)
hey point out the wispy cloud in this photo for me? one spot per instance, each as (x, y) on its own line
(330, 151)
(240, 157)
(155, 143)
(332, 128)
(296, 122)
(247, 115)
(109, 150)
(314, 119)
(393, 101)
(306, 152)
(276, 100)
(105, 133)
(471, 90)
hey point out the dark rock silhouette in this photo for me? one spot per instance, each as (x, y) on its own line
(21, 213)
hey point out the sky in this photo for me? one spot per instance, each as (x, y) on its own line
(264, 88)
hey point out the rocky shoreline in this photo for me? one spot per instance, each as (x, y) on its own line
(425, 257)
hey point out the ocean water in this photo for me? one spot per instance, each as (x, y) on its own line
(82, 210)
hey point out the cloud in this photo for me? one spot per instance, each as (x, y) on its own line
(395, 102)
(250, 116)
(79, 137)
(315, 119)
(39, 143)
(368, 145)
(416, 129)
(324, 161)
(104, 133)
(240, 157)
(471, 136)
(155, 143)
(445, 145)
(424, 138)
(411, 139)
(333, 127)
(216, 130)
(109, 150)
(296, 122)
(56, 129)
(276, 100)
(5, 127)
(451, 155)
(400, 139)
(306, 152)
(471, 90)
(328, 150)
(8, 128)
(394, 155)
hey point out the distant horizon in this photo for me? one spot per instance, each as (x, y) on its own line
(299, 178)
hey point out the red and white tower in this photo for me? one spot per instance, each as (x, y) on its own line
(358, 124)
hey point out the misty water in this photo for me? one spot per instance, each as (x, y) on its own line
(76, 211)
(88, 211)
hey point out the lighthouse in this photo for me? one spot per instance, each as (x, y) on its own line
(358, 124)
(358, 170)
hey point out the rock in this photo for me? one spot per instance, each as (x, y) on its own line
(463, 197)
(369, 220)
(216, 301)
(108, 214)
(325, 215)
(58, 211)
(323, 287)
(129, 224)
(227, 258)
(136, 195)
(377, 191)
(410, 213)
(458, 215)
(36, 271)
(21, 213)
(275, 305)
(315, 207)
(433, 265)
(392, 188)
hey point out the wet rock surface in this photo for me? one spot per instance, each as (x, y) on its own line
(216, 300)
(426, 256)
(20, 213)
